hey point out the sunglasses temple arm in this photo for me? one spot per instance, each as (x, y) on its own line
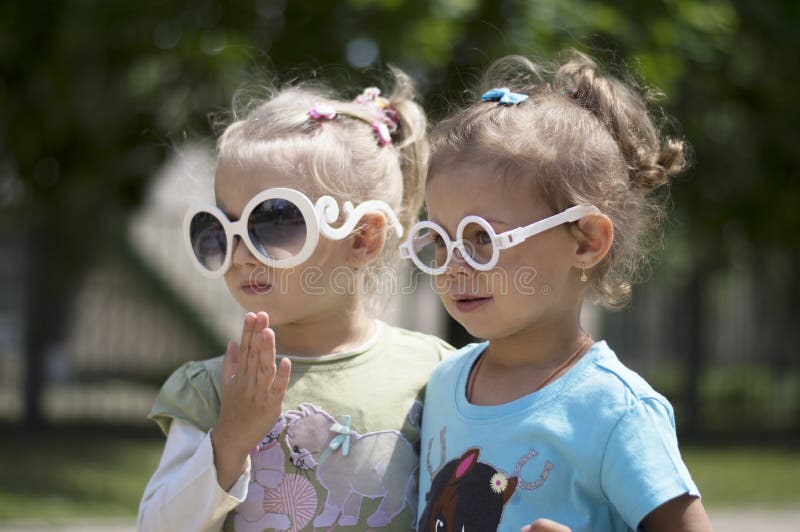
(516, 236)
(394, 222)
(328, 212)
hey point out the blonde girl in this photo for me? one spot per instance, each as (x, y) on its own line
(311, 420)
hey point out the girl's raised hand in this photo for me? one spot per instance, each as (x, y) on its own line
(251, 397)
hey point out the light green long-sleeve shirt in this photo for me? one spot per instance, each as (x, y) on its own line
(346, 450)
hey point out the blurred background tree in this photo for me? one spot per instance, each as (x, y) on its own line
(94, 96)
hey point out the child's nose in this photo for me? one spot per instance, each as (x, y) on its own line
(457, 264)
(241, 253)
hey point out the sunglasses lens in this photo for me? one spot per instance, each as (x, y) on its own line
(478, 243)
(277, 228)
(208, 240)
(430, 247)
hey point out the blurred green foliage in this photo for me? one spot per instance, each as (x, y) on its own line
(95, 94)
(743, 400)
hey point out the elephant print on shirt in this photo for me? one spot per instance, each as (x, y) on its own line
(375, 465)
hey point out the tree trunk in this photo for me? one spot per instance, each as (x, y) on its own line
(697, 351)
(49, 283)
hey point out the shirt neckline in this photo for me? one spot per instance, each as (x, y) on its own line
(526, 402)
(378, 327)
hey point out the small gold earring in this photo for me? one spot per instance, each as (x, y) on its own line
(583, 273)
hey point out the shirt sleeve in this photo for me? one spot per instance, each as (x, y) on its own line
(642, 467)
(191, 394)
(183, 493)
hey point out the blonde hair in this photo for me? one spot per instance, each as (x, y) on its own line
(582, 137)
(340, 157)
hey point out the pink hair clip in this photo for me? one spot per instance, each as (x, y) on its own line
(319, 111)
(371, 96)
(386, 118)
(382, 132)
(390, 119)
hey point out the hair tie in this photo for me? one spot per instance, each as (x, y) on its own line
(321, 111)
(382, 132)
(385, 118)
(504, 96)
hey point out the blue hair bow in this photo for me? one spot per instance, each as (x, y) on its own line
(504, 96)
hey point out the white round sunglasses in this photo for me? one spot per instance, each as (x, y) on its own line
(280, 227)
(431, 249)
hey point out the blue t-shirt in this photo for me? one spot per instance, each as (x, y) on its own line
(594, 450)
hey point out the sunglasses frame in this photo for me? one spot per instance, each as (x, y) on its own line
(504, 240)
(318, 219)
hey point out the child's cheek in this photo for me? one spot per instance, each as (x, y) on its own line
(443, 285)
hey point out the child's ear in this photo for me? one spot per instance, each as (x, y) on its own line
(366, 242)
(594, 234)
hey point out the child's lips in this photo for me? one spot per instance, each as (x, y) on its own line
(251, 288)
(469, 303)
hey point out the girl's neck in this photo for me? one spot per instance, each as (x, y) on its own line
(524, 362)
(335, 332)
(541, 345)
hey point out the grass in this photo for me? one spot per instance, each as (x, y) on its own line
(64, 477)
(745, 476)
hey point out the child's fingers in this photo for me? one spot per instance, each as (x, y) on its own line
(247, 333)
(267, 356)
(247, 330)
(281, 381)
(253, 353)
(229, 362)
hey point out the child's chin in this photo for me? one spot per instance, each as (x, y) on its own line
(256, 307)
(475, 328)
